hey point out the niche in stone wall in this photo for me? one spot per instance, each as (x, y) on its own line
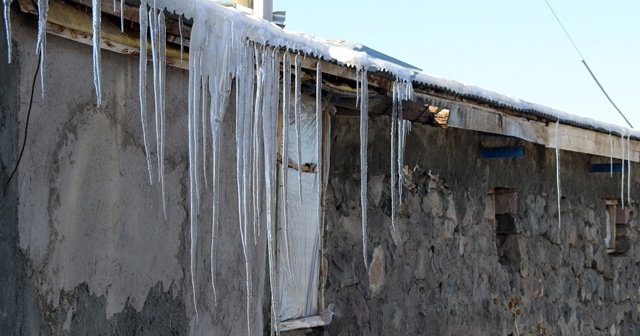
(616, 226)
(505, 208)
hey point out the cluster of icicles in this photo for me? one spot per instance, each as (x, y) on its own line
(255, 69)
(625, 152)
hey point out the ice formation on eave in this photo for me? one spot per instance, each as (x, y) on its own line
(246, 48)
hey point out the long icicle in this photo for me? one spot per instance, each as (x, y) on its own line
(629, 169)
(558, 171)
(286, 107)
(180, 27)
(270, 111)
(319, 139)
(7, 22)
(142, 85)
(97, 77)
(43, 12)
(193, 83)
(203, 123)
(259, 56)
(162, 66)
(401, 138)
(622, 174)
(394, 153)
(121, 16)
(297, 122)
(610, 156)
(153, 28)
(242, 224)
(214, 216)
(363, 95)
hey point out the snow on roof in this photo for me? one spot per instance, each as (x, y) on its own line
(500, 100)
(345, 54)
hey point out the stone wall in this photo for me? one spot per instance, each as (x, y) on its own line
(441, 272)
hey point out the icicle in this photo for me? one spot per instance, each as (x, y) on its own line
(629, 169)
(297, 122)
(558, 171)
(394, 153)
(7, 22)
(153, 27)
(204, 132)
(622, 175)
(286, 106)
(192, 211)
(401, 138)
(43, 10)
(121, 16)
(319, 140)
(214, 215)
(260, 64)
(611, 156)
(242, 215)
(97, 68)
(142, 83)
(162, 54)
(358, 75)
(363, 95)
(181, 40)
(270, 109)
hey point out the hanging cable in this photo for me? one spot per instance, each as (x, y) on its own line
(26, 127)
(586, 65)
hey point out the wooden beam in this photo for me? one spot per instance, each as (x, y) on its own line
(484, 120)
(110, 45)
(130, 13)
(586, 141)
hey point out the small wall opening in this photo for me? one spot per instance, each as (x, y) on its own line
(505, 208)
(616, 226)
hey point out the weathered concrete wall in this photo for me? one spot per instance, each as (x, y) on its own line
(85, 246)
(439, 273)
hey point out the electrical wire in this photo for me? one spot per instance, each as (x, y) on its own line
(586, 65)
(26, 127)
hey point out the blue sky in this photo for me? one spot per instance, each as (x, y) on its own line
(514, 47)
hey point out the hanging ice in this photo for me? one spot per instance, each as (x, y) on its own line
(394, 153)
(622, 173)
(319, 138)
(270, 109)
(401, 91)
(628, 169)
(97, 68)
(558, 171)
(43, 10)
(121, 16)
(363, 97)
(142, 83)
(7, 23)
(286, 104)
(611, 156)
(296, 113)
(180, 28)
(158, 52)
